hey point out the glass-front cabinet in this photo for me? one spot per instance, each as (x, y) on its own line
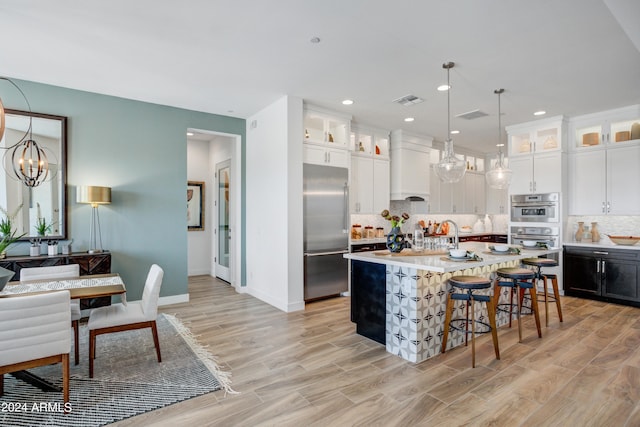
(324, 128)
(536, 137)
(610, 127)
(369, 141)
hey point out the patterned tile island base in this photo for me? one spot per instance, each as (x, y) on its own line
(415, 309)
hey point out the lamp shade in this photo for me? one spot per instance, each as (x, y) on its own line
(94, 195)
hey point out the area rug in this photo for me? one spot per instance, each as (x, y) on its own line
(128, 380)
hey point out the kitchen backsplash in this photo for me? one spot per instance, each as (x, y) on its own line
(500, 223)
(607, 224)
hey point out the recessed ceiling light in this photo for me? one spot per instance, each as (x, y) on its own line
(444, 88)
(315, 40)
(540, 113)
(455, 132)
(347, 102)
(189, 133)
(409, 119)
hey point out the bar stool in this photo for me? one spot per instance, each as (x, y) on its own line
(538, 263)
(518, 280)
(469, 284)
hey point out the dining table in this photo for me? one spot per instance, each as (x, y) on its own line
(81, 287)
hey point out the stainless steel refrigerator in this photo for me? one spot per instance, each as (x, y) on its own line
(326, 235)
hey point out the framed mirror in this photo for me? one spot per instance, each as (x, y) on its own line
(48, 200)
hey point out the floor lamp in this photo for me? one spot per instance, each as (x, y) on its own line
(95, 196)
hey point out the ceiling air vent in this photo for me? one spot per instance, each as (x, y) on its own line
(470, 115)
(408, 100)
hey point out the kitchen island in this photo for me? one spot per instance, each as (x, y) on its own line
(400, 301)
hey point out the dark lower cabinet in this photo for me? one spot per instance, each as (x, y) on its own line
(604, 274)
(368, 299)
(89, 264)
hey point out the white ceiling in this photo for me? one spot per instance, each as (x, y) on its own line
(234, 57)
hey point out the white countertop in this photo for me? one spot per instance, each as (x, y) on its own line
(436, 264)
(603, 245)
(384, 239)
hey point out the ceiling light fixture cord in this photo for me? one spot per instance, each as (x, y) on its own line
(29, 162)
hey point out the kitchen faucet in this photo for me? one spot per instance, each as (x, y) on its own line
(455, 229)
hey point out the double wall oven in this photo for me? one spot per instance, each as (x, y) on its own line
(536, 217)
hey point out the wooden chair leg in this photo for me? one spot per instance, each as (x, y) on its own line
(491, 311)
(76, 340)
(65, 379)
(92, 351)
(447, 319)
(534, 307)
(156, 342)
(519, 310)
(556, 294)
(546, 302)
(510, 306)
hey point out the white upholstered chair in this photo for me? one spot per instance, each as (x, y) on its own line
(60, 272)
(134, 315)
(34, 331)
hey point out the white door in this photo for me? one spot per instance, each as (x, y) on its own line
(223, 228)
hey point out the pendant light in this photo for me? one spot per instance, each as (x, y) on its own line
(29, 161)
(449, 168)
(499, 176)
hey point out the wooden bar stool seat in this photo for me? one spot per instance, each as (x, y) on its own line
(538, 263)
(469, 284)
(519, 280)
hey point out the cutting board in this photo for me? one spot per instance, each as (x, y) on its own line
(409, 252)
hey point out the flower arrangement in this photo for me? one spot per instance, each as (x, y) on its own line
(396, 221)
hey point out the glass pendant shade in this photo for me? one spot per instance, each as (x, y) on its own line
(500, 176)
(450, 168)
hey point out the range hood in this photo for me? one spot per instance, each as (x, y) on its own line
(410, 162)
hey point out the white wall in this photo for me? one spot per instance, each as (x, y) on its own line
(274, 205)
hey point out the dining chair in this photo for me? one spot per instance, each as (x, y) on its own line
(60, 272)
(123, 317)
(34, 331)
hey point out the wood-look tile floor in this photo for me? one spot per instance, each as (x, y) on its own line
(310, 368)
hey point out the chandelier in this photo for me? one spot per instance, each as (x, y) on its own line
(28, 161)
(449, 168)
(499, 176)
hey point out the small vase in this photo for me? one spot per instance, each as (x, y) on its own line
(580, 231)
(395, 240)
(595, 234)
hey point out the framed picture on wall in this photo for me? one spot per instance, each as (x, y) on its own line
(195, 206)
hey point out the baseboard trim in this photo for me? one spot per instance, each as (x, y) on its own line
(173, 299)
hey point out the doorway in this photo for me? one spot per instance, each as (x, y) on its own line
(211, 155)
(222, 233)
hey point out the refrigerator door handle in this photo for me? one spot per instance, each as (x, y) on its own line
(346, 207)
(327, 253)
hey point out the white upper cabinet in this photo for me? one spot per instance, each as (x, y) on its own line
(370, 170)
(536, 156)
(605, 181)
(326, 138)
(608, 128)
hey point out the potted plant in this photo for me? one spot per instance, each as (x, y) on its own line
(42, 227)
(6, 223)
(7, 233)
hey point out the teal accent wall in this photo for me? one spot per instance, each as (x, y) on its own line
(140, 151)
